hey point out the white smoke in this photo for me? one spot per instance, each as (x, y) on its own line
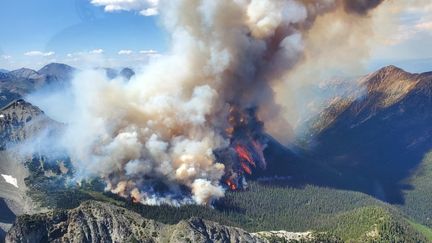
(164, 124)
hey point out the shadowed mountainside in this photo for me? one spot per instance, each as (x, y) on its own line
(373, 143)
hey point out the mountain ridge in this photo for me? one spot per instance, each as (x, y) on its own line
(95, 221)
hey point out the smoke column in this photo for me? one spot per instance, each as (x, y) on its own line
(153, 138)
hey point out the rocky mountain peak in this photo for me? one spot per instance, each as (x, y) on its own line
(389, 84)
(25, 73)
(59, 70)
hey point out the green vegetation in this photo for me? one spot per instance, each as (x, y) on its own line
(345, 216)
(418, 198)
(336, 215)
(426, 231)
(373, 224)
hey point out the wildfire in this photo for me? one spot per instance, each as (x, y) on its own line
(231, 184)
(247, 145)
(135, 200)
(246, 168)
(244, 155)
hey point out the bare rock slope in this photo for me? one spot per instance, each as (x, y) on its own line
(96, 221)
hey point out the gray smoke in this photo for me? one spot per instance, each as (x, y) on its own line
(163, 126)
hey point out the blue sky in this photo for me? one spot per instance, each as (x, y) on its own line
(124, 32)
(51, 29)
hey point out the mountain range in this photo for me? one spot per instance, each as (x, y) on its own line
(362, 173)
(21, 82)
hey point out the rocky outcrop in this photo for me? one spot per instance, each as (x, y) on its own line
(96, 221)
(19, 120)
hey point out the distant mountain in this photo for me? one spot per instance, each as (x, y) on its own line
(18, 83)
(60, 71)
(112, 73)
(127, 73)
(3, 70)
(25, 73)
(4, 75)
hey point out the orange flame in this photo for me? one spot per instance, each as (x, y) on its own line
(246, 168)
(135, 200)
(231, 184)
(244, 154)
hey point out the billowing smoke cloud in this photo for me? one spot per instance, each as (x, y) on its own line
(154, 137)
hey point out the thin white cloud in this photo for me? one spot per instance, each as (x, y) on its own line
(6, 57)
(125, 52)
(97, 51)
(144, 7)
(85, 53)
(149, 11)
(39, 54)
(149, 52)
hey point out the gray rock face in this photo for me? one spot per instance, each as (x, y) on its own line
(18, 120)
(96, 221)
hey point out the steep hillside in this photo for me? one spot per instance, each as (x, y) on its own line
(373, 143)
(418, 197)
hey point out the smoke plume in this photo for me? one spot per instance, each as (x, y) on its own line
(193, 122)
(361, 6)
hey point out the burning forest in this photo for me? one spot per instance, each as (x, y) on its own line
(196, 120)
(247, 141)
